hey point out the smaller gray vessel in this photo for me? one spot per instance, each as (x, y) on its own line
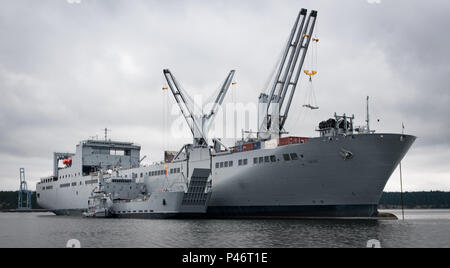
(119, 197)
(99, 205)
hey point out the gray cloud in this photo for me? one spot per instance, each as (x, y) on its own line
(68, 70)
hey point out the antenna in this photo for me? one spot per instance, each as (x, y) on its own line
(106, 133)
(367, 112)
(401, 181)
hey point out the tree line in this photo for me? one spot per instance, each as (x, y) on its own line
(9, 200)
(433, 199)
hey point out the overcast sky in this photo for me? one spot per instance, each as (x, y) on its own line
(69, 69)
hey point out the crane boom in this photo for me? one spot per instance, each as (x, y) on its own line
(289, 46)
(220, 97)
(198, 124)
(306, 39)
(188, 114)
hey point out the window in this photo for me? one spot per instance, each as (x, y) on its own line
(230, 164)
(245, 161)
(294, 156)
(221, 164)
(178, 170)
(255, 160)
(117, 152)
(64, 185)
(261, 159)
(226, 164)
(240, 162)
(286, 157)
(266, 159)
(217, 165)
(273, 158)
(90, 182)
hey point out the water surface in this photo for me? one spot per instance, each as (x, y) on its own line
(421, 228)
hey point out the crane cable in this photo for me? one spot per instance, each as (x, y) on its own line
(165, 116)
(311, 70)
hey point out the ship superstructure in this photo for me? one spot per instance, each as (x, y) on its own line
(75, 175)
(340, 173)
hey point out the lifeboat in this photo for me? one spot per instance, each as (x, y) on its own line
(67, 161)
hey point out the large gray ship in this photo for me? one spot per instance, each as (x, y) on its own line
(340, 173)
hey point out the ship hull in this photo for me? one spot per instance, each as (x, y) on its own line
(69, 212)
(325, 211)
(328, 211)
(321, 182)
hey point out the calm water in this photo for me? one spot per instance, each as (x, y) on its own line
(422, 228)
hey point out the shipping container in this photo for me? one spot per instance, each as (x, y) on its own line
(257, 145)
(291, 140)
(283, 141)
(247, 147)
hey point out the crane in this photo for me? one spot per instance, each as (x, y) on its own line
(199, 124)
(272, 117)
(23, 190)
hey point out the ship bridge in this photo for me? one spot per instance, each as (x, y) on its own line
(94, 155)
(97, 155)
